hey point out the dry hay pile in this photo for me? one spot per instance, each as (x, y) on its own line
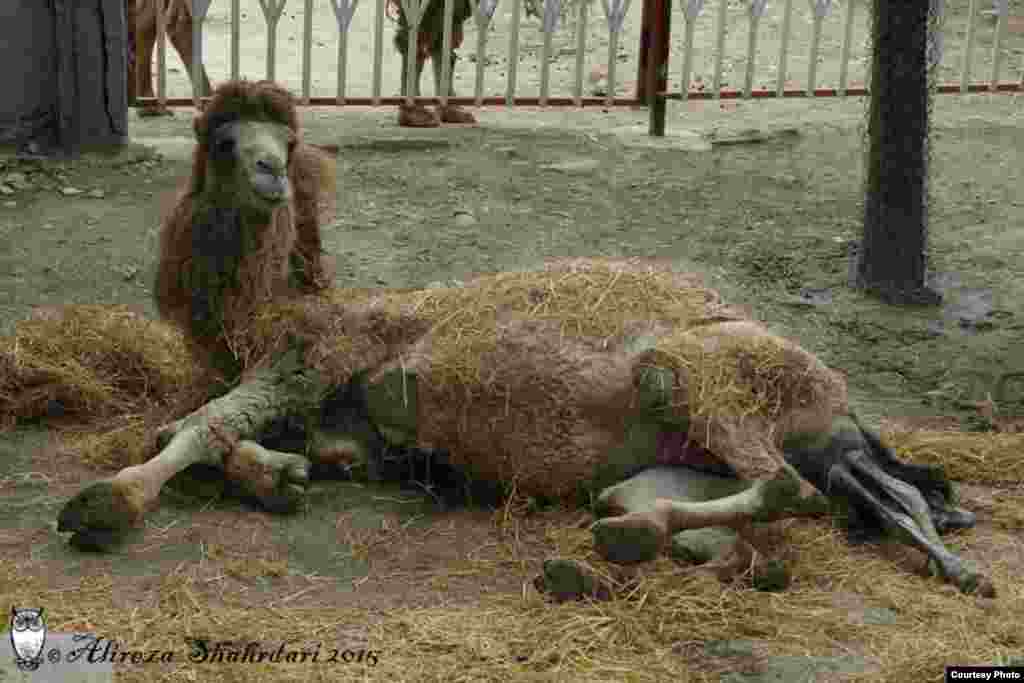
(660, 625)
(104, 374)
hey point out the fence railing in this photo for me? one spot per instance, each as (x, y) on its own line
(653, 66)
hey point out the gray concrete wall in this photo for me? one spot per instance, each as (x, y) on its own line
(62, 74)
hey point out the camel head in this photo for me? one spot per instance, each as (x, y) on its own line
(247, 136)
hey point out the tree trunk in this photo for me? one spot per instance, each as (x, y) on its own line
(892, 257)
(64, 76)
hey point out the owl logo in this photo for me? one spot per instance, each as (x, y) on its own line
(28, 634)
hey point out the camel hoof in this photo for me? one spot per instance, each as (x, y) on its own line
(566, 580)
(973, 583)
(276, 480)
(455, 114)
(629, 539)
(98, 517)
(417, 116)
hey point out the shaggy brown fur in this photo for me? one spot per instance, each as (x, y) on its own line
(141, 17)
(215, 266)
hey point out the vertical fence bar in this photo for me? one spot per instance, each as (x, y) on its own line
(965, 73)
(757, 8)
(552, 8)
(787, 18)
(615, 13)
(513, 53)
(446, 50)
(812, 67)
(844, 63)
(343, 13)
(236, 28)
(378, 44)
(307, 51)
(161, 55)
(199, 10)
(613, 51)
(581, 45)
(413, 10)
(723, 5)
(1002, 9)
(690, 12)
(482, 21)
(272, 10)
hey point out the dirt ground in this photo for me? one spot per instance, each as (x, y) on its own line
(764, 199)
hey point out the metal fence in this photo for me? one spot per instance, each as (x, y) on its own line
(654, 43)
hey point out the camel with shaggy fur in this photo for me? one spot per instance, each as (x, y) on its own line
(141, 18)
(246, 227)
(631, 398)
(429, 45)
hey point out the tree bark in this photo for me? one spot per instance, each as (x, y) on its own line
(65, 78)
(892, 260)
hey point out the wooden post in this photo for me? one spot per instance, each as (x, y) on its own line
(656, 82)
(643, 56)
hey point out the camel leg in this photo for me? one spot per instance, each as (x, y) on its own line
(450, 113)
(221, 435)
(904, 512)
(143, 76)
(640, 535)
(180, 35)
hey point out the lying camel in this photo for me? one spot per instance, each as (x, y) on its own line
(585, 376)
(141, 16)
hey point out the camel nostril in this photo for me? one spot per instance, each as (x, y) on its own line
(265, 166)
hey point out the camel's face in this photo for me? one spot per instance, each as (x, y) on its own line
(248, 161)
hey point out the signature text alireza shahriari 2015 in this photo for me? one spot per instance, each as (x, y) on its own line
(203, 651)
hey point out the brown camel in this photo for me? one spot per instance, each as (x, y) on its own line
(249, 154)
(584, 376)
(430, 45)
(141, 16)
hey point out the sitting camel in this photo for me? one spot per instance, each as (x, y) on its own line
(141, 16)
(585, 376)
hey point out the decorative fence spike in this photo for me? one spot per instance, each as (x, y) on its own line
(272, 10)
(693, 8)
(615, 14)
(343, 13)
